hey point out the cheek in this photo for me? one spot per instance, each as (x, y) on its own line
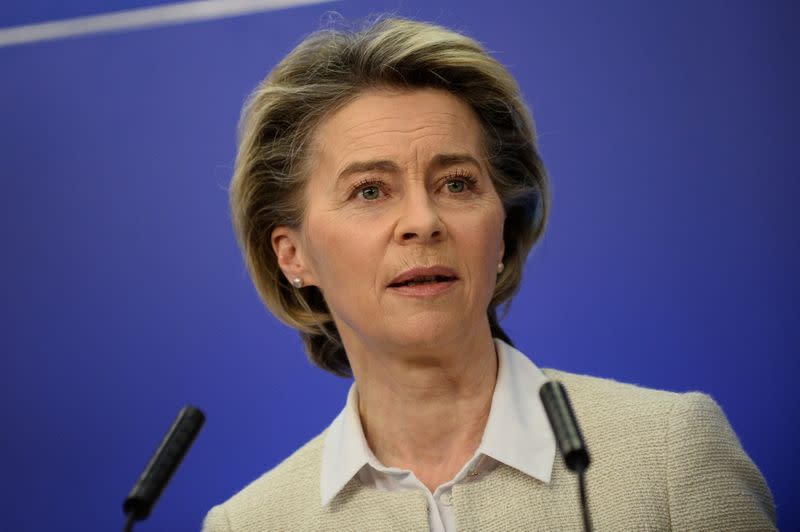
(487, 236)
(341, 255)
(480, 245)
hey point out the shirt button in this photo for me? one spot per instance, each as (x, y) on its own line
(446, 500)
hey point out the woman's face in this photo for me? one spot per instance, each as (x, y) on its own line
(403, 230)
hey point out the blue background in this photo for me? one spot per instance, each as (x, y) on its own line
(671, 260)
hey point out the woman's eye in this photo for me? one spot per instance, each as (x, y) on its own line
(456, 186)
(371, 192)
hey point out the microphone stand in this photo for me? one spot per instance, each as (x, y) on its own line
(129, 523)
(568, 435)
(587, 522)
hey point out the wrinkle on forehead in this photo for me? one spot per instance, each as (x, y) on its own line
(366, 127)
(432, 119)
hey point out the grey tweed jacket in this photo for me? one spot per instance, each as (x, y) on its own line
(660, 461)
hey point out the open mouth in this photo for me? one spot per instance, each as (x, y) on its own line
(426, 279)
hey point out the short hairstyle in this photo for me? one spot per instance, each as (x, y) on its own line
(329, 69)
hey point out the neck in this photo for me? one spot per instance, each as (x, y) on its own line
(427, 413)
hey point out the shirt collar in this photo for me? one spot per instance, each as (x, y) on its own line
(345, 450)
(517, 432)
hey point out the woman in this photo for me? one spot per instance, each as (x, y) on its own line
(386, 194)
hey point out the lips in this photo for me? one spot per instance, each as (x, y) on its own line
(424, 276)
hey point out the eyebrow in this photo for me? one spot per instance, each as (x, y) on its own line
(442, 160)
(360, 167)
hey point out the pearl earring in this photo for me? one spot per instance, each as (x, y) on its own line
(297, 282)
(501, 267)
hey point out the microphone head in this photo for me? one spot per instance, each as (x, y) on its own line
(565, 425)
(164, 462)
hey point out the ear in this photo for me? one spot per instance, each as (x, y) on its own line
(503, 237)
(502, 247)
(288, 246)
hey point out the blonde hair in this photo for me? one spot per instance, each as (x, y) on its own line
(331, 68)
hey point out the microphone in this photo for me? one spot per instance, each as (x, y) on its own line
(162, 465)
(568, 435)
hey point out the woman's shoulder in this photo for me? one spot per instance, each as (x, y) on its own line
(601, 388)
(274, 497)
(602, 398)
(621, 412)
(683, 439)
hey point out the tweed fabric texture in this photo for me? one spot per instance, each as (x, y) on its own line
(660, 461)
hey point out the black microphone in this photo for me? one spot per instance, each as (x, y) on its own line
(162, 465)
(568, 435)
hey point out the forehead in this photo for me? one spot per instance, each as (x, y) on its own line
(398, 125)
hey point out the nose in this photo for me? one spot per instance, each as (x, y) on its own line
(419, 220)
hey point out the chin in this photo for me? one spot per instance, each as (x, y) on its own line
(427, 330)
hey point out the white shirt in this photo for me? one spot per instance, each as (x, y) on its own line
(517, 434)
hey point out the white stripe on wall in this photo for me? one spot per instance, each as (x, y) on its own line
(148, 17)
